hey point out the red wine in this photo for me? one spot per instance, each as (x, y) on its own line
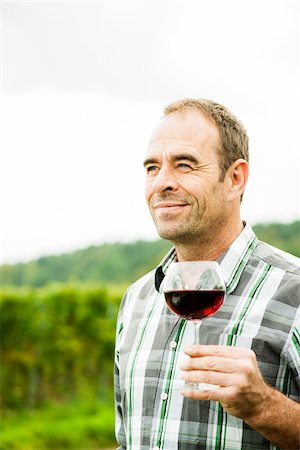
(194, 305)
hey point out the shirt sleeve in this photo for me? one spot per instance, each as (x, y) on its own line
(293, 356)
(119, 424)
(119, 413)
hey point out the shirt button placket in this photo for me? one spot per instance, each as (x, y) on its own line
(164, 395)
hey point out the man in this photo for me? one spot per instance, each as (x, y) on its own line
(196, 173)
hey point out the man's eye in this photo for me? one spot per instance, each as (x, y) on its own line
(151, 169)
(184, 166)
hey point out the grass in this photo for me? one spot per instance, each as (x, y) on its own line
(73, 425)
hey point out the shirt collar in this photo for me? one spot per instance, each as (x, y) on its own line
(232, 261)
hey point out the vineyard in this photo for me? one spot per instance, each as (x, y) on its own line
(56, 376)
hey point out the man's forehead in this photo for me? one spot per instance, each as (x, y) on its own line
(183, 127)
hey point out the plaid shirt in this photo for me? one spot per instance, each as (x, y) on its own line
(260, 311)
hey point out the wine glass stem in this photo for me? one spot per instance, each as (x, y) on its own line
(196, 332)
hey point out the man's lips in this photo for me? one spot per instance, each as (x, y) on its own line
(169, 206)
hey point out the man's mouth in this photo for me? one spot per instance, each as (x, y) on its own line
(168, 206)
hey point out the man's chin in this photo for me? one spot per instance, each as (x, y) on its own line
(169, 233)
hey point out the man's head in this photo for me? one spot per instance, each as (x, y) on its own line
(196, 172)
(233, 143)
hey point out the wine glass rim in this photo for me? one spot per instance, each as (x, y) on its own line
(208, 262)
(205, 264)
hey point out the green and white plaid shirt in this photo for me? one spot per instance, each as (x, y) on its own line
(260, 311)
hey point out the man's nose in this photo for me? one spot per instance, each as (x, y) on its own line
(165, 180)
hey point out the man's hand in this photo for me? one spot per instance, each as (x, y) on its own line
(242, 392)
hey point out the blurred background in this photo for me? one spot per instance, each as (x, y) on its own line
(82, 86)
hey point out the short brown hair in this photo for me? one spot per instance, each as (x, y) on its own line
(233, 136)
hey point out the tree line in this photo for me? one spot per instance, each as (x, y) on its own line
(123, 262)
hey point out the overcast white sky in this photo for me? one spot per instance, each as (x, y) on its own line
(83, 84)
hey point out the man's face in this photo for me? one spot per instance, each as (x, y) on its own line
(183, 191)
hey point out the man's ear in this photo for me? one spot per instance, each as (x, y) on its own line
(236, 179)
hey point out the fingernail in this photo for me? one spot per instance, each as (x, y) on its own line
(188, 350)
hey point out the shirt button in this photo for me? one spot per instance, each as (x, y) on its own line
(173, 344)
(164, 396)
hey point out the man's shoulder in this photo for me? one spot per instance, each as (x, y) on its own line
(141, 290)
(144, 283)
(278, 258)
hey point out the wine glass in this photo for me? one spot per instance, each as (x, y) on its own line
(194, 290)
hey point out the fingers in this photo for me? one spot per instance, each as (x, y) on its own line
(210, 394)
(204, 376)
(219, 350)
(236, 372)
(221, 365)
(217, 364)
(227, 365)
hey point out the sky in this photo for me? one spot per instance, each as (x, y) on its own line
(84, 83)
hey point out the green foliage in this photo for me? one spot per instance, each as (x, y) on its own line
(108, 263)
(56, 378)
(123, 262)
(78, 424)
(284, 236)
(57, 343)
